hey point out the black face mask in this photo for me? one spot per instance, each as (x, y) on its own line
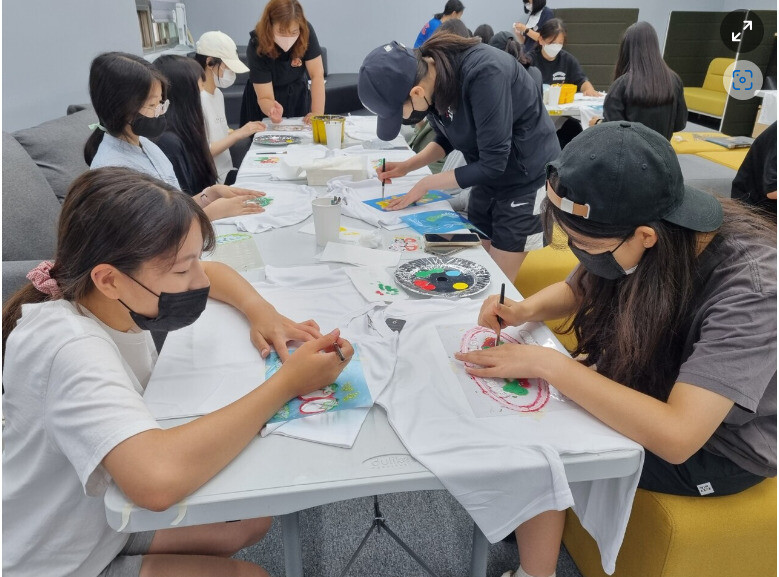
(149, 127)
(603, 265)
(417, 116)
(174, 311)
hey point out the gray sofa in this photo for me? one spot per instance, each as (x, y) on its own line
(39, 164)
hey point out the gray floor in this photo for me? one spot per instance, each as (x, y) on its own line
(431, 522)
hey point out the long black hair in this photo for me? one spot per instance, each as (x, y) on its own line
(650, 82)
(455, 26)
(518, 51)
(451, 7)
(485, 32)
(119, 84)
(443, 49)
(185, 116)
(117, 216)
(537, 6)
(633, 328)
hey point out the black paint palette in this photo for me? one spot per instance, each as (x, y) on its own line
(442, 277)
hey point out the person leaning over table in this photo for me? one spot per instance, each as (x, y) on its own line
(77, 357)
(483, 103)
(129, 97)
(645, 90)
(527, 33)
(283, 54)
(423, 131)
(674, 309)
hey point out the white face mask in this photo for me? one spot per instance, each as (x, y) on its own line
(286, 42)
(552, 50)
(528, 7)
(227, 79)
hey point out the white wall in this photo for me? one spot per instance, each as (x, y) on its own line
(352, 28)
(47, 48)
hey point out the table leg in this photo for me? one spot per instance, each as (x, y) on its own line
(290, 537)
(479, 552)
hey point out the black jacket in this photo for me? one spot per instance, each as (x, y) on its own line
(500, 125)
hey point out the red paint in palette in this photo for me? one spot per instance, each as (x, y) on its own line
(424, 285)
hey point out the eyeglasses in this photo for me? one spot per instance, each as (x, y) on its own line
(160, 108)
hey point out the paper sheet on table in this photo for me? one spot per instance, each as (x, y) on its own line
(359, 255)
(290, 204)
(346, 234)
(363, 129)
(375, 284)
(374, 158)
(238, 250)
(357, 192)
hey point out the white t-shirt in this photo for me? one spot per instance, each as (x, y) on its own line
(217, 129)
(73, 392)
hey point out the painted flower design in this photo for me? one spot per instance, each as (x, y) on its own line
(521, 395)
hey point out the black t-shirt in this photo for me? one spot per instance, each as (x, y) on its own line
(757, 175)
(287, 74)
(499, 124)
(174, 149)
(564, 69)
(665, 118)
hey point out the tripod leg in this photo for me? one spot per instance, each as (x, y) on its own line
(374, 525)
(479, 553)
(406, 548)
(293, 556)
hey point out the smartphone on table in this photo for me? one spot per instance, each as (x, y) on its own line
(452, 239)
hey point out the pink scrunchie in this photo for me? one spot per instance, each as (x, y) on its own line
(42, 281)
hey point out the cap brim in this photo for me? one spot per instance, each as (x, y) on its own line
(236, 65)
(699, 211)
(388, 127)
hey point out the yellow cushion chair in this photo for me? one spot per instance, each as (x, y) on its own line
(730, 158)
(711, 97)
(672, 536)
(544, 267)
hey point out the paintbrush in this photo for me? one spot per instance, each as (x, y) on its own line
(500, 320)
(338, 352)
(383, 168)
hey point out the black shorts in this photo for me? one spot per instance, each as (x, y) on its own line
(512, 224)
(703, 474)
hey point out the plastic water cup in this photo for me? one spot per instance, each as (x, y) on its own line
(333, 132)
(553, 98)
(327, 220)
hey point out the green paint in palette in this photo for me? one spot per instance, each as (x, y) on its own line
(428, 273)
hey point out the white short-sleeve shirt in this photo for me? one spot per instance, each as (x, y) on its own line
(217, 128)
(73, 392)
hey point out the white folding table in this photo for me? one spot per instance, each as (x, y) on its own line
(280, 476)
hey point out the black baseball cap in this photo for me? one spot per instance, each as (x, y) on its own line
(625, 173)
(386, 77)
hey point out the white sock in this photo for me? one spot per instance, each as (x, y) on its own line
(521, 573)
